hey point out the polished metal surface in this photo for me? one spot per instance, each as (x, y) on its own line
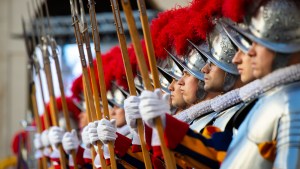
(199, 123)
(275, 25)
(193, 63)
(165, 81)
(238, 39)
(169, 72)
(165, 77)
(275, 116)
(116, 96)
(220, 50)
(172, 69)
(222, 118)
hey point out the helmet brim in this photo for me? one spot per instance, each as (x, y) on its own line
(199, 75)
(274, 46)
(230, 68)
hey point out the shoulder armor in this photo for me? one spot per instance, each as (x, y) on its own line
(222, 118)
(272, 106)
(199, 123)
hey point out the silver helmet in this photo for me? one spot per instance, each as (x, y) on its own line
(275, 25)
(242, 42)
(220, 50)
(138, 85)
(164, 81)
(138, 81)
(170, 69)
(193, 63)
(165, 75)
(80, 104)
(117, 95)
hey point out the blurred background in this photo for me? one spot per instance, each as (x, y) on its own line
(14, 88)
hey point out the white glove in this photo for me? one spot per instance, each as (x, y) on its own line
(45, 139)
(97, 158)
(85, 137)
(37, 141)
(132, 112)
(97, 162)
(105, 151)
(155, 139)
(135, 138)
(70, 141)
(47, 151)
(55, 136)
(96, 148)
(152, 105)
(38, 145)
(93, 132)
(107, 130)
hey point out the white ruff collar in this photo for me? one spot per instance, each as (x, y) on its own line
(226, 100)
(246, 93)
(277, 78)
(124, 130)
(188, 115)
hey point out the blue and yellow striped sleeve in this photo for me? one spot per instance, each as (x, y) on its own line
(195, 148)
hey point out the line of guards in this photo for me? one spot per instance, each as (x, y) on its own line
(229, 73)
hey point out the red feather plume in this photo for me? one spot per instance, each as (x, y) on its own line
(72, 108)
(234, 9)
(193, 23)
(107, 70)
(160, 34)
(77, 88)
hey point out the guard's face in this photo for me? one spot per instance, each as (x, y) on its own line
(213, 77)
(118, 114)
(261, 60)
(83, 120)
(243, 62)
(176, 97)
(188, 87)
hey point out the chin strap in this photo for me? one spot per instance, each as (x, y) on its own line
(201, 93)
(281, 60)
(229, 81)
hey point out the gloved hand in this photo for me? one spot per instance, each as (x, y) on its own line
(107, 130)
(70, 141)
(105, 151)
(132, 112)
(38, 145)
(46, 143)
(85, 137)
(55, 136)
(155, 139)
(106, 156)
(37, 141)
(135, 138)
(152, 105)
(96, 148)
(93, 135)
(45, 139)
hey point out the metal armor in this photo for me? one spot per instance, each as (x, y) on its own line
(199, 123)
(275, 25)
(222, 118)
(275, 117)
(218, 119)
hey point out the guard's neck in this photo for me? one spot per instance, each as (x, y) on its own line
(211, 95)
(294, 59)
